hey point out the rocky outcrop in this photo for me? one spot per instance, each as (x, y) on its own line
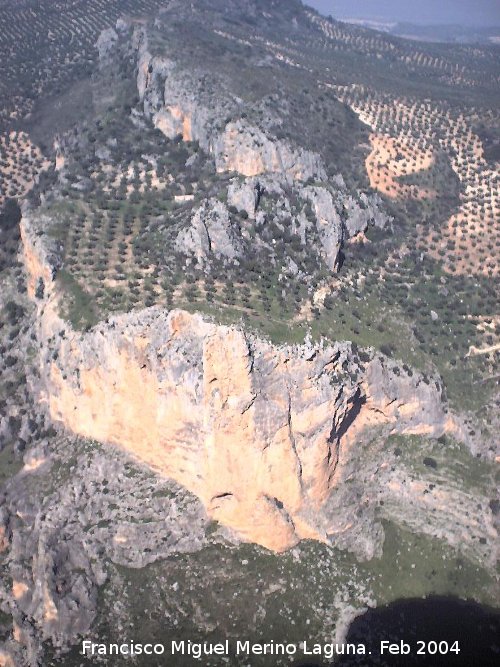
(105, 44)
(252, 429)
(359, 215)
(173, 99)
(182, 104)
(213, 232)
(41, 255)
(68, 513)
(244, 195)
(406, 404)
(247, 150)
(210, 234)
(337, 215)
(197, 106)
(329, 223)
(275, 443)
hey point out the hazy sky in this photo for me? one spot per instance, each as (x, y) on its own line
(468, 12)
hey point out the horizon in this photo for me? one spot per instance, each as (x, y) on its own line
(473, 13)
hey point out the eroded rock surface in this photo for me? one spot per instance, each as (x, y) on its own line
(328, 221)
(363, 213)
(106, 43)
(184, 104)
(275, 443)
(210, 233)
(246, 150)
(71, 511)
(254, 430)
(195, 105)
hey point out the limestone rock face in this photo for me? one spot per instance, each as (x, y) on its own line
(173, 101)
(196, 106)
(105, 43)
(210, 233)
(329, 223)
(248, 193)
(152, 73)
(207, 406)
(248, 151)
(359, 215)
(243, 196)
(62, 536)
(143, 73)
(254, 430)
(185, 118)
(406, 403)
(173, 122)
(41, 257)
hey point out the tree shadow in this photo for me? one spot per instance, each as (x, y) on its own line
(435, 619)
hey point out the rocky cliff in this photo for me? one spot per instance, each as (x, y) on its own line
(196, 105)
(254, 430)
(278, 443)
(193, 107)
(154, 460)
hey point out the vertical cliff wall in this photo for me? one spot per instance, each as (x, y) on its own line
(253, 429)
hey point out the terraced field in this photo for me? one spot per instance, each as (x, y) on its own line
(46, 48)
(46, 45)
(20, 160)
(415, 144)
